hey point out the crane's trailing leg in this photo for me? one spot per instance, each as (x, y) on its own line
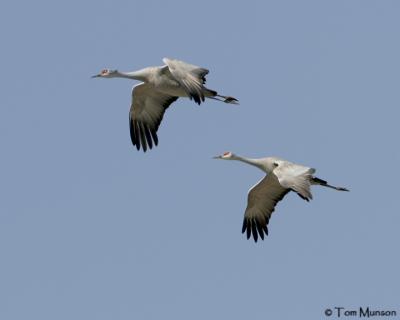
(226, 99)
(324, 183)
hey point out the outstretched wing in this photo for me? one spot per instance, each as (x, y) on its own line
(147, 110)
(189, 76)
(261, 202)
(295, 177)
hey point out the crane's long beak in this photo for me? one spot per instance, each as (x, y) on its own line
(217, 157)
(96, 76)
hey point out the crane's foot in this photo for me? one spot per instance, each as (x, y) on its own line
(231, 100)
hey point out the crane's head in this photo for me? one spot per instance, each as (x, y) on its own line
(106, 73)
(226, 156)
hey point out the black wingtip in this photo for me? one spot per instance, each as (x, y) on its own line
(254, 228)
(260, 230)
(254, 231)
(148, 136)
(142, 136)
(248, 232)
(154, 136)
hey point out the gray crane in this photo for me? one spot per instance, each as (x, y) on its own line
(160, 87)
(282, 177)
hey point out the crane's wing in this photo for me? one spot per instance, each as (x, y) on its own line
(189, 76)
(295, 177)
(147, 110)
(261, 202)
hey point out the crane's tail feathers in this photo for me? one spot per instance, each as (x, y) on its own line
(324, 183)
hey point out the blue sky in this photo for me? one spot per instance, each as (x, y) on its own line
(92, 229)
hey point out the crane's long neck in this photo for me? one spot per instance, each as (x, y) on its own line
(254, 162)
(141, 75)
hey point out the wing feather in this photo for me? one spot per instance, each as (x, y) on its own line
(261, 202)
(146, 113)
(189, 76)
(295, 177)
